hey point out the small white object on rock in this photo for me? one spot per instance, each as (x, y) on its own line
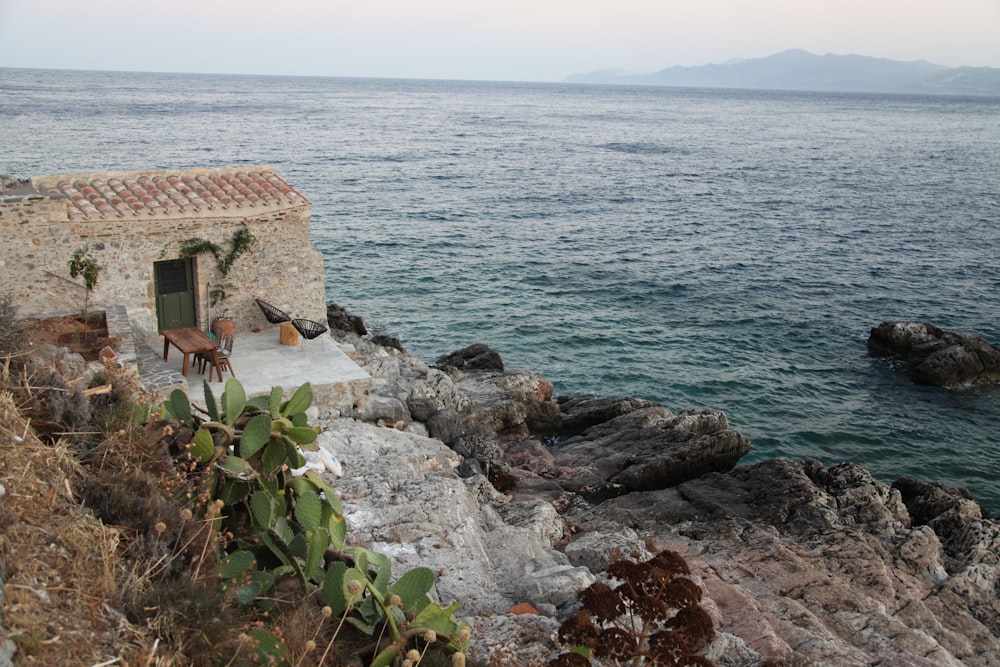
(321, 461)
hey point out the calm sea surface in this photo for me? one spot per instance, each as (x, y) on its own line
(700, 248)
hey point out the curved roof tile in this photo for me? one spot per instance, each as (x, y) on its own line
(169, 192)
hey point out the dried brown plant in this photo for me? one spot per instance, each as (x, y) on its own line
(652, 617)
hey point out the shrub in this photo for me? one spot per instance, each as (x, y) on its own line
(651, 617)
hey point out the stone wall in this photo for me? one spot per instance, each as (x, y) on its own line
(38, 238)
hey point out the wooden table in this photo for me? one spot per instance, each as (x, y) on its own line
(191, 340)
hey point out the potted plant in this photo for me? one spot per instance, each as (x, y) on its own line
(223, 325)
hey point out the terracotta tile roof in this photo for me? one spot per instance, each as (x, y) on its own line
(169, 193)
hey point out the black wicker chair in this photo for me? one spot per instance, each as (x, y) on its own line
(308, 328)
(273, 315)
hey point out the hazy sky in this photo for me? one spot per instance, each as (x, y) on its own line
(520, 40)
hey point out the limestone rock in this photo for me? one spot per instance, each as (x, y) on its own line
(595, 550)
(403, 498)
(556, 585)
(936, 356)
(386, 409)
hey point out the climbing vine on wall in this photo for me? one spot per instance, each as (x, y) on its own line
(243, 241)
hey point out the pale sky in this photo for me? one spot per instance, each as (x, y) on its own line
(509, 40)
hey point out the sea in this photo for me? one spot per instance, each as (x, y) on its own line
(726, 249)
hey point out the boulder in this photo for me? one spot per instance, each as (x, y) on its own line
(508, 404)
(645, 449)
(935, 356)
(578, 413)
(385, 409)
(475, 357)
(337, 318)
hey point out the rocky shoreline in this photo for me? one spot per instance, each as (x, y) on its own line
(518, 500)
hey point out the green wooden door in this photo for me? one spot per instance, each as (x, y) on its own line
(174, 294)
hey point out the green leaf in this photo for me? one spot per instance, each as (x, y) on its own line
(384, 565)
(179, 407)
(234, 491)
(331, 496)
(309, 511)
(235, 564)
(271, 540)
(292, 454)
(412, 588)
(299, 402)
(274, 401)
(210, 404)
(299, 546)
(273, 457)
(283, 530)
(269, 650)
(318, 543)
(301, 485)
(300, 419)
(274, 487)
(338, 532)
(362, 626)
(260, 583)
(353, 574)
(263, 509)
(385, 658)
(234, 466)
(258, 403)
(202, 446)
(234, 399)
(301, 435)
(333, 589)
(438, 619)
(255, 435)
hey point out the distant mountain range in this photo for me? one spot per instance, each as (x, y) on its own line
(796, 69)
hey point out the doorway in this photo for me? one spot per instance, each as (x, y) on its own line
(174, 283)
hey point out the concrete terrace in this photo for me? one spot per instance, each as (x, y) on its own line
(261, 362)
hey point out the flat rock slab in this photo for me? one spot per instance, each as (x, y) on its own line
(646, 449)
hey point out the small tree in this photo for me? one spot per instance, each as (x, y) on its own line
(83, 264)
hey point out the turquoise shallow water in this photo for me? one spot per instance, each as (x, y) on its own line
(726, 249)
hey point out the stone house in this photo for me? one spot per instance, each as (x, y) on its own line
(142, 227)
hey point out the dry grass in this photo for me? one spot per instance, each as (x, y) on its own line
(60, 560)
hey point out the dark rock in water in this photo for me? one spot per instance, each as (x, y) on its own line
(389, 341)
(935, 356)
(477, 357)
(645, 449)
(338, 318)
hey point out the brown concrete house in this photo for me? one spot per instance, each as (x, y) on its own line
(152, 234)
